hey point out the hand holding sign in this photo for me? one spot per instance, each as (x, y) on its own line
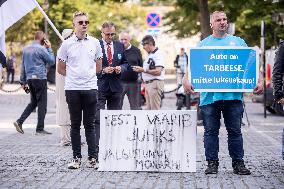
(188, 88)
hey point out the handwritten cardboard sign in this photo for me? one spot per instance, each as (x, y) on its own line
(223, 69)
(143, 140)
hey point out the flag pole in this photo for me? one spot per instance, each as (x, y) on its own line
(49, 21)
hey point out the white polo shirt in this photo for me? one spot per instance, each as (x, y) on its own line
(158, 57)
(80, 57)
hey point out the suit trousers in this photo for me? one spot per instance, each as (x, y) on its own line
(113, 100)
(132, 90)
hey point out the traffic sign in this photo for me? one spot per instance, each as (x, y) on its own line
(153, 31)
(153, 19)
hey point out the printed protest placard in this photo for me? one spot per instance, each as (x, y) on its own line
(223, 69)
(143, 140)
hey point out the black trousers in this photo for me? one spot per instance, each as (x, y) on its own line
(83, 101)
(38, 92)
(113, 100)
(12, 73)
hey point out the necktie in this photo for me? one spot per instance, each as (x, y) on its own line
(109, 55)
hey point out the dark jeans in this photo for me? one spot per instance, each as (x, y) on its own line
(38, 92)
(232, 112)
(113, 100)
(82, 101)
(132, 90)
(12, 73)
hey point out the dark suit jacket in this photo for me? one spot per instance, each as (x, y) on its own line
(112, 81)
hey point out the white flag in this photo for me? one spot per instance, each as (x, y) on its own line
(13, 10)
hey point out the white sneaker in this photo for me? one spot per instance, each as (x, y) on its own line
(75, 164)
(93, 163)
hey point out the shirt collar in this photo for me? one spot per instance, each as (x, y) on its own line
(155, 50)
(105, 43)
(87, 37)
(128, 47)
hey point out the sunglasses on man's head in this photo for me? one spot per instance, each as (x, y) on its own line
(83, 22)
(144, 43)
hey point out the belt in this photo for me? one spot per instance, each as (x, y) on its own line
(150, 81)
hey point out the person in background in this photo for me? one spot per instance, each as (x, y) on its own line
(180, 63)
(153, 73)
(230, 104)
(62, 112)
(277, 74)
(129, 78)
(80, 59)
(33, 76)
(277, 80)
(11, 68)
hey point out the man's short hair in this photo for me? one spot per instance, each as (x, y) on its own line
(213, 14)
(148, 39)
(108, 25)
(79, 13)
(39, 35)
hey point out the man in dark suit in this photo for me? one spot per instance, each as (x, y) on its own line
(109, 83)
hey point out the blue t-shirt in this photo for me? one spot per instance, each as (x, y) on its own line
(211, 97)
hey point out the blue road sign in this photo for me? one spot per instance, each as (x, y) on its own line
(153, 19)
(223, 69)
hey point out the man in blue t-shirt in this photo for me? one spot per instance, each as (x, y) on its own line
(229, 103)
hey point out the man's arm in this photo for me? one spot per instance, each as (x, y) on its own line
(99, 65)
(277, 74)
(140, 61)
(3, 60)
(259, 86)
(48, 54)
(155, 72)
(61, 68)
(186, 84)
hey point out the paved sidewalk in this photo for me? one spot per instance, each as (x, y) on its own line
(31, 161)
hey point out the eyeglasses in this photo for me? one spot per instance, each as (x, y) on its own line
(109, 34)
(83, 22)
(144, 43)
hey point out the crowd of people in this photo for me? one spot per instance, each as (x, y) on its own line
(94, 74)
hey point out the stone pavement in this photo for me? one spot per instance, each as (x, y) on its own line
(30, 161)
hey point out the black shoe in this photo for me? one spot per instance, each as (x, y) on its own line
(18, 127)
(212, 167)
(240, 168)
(43, 132)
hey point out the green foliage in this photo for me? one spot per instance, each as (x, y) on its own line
(60, 13)
(247, 16)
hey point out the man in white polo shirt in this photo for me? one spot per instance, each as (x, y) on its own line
(80, 59)
(153, 73)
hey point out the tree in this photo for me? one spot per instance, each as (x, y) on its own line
(61, 12)
(190, 17)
